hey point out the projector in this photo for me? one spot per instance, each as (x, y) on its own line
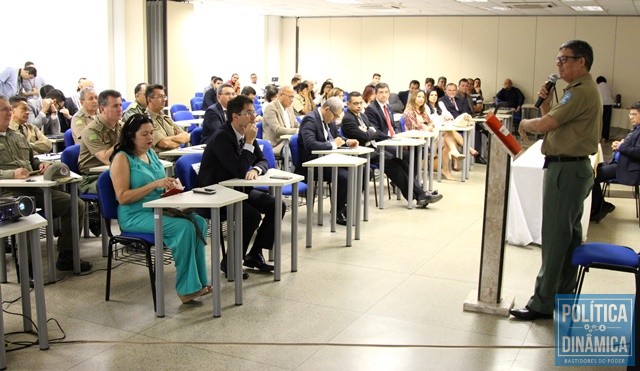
(12, 208)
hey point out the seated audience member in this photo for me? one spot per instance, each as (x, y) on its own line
(233, 152)
(11, 79)
(139, 105)
(270, 94)
(429, 83)
(73, 102)
(303, 102)
(31, 88)
(253, 82)
(368, 95)
(295, 81)
(441, 86)
(138, 177)
(415, 115)
(86, 114)
(16, 162)
(99, 139)
(211, 84)
(624, 166)
(315, 134)
(511, 97)
(166, 134)
(235, 82)
(355, 125)
(439, 116)
(216, 115)
(279, 119)
(464, 89)
(250, 93)
(395, 103)
(375, 79)
(476, 95)
(53, 118)
(211, 95)
(454, 103)
(324, 93)
(379, 112)
(414, 86)
(20, 109)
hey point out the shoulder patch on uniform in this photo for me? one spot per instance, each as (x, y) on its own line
(93, 136)
(566, 97)
(79, 122)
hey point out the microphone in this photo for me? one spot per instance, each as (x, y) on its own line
(550, 83)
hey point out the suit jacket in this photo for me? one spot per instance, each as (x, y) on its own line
(213, 120)
(311, 137)
(210, 98)
(351, 129)
(463, 106)
(273, 123)
(223, 159)
(628, 169)
(376, 117)
(404, 97)
(395, 103)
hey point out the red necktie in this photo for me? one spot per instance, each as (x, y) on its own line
(386, 117)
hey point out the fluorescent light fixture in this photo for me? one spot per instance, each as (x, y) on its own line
(472, 1)
(344, 2)
(388, 10)
(500, 8)
(589, 8)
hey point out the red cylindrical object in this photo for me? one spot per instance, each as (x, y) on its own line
(504, 135)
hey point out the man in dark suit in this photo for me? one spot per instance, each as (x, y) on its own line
(211, 95)
(315, 134)
(216, 115)
(355, 125)
(455, 104)
(379, 112)
(414, 86)
(624, 166)
(229, 153)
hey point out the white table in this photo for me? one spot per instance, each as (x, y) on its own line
(23, 228)
(398, 142)
(223, 197)
(428, 159)
(49, 157)
(276, 185)
(334, 161)
(198, 113)
(358, 151)
(524, 211)
(178, 152)
(466, 164)
(187, 123)
(46, 185)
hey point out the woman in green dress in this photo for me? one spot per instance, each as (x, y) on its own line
(138, 177)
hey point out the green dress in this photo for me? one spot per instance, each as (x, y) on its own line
(179, 234)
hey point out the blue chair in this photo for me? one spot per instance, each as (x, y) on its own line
(196, 103)
(259, 126)
(184, 170)
(196, 136)
(125, 245)
(267, 150)
(68, 139)
(125, 105)
(299, 119)
(402, 127)
(70, 157)
(175, 108)
(604, 256)
(183, 115)
(199, 94)
(294, 149)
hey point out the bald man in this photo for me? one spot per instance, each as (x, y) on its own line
(279, 119)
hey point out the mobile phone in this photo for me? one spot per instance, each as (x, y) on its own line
(206, 191)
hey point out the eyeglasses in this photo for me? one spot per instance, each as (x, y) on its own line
(335, 115)
(357, 103)
(160, 97)
(249, 113)
(565, 58)
(233, 94)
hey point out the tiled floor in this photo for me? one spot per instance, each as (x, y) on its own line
(392, 301)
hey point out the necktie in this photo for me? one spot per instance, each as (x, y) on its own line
(386, 117)
(364, 127)
(240, 144)
(453, 101)
(224, 113)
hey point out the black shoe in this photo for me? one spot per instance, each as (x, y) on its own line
(480, 160)
(528, 314)
(422, 201)
(94, 227)
(430, 198)
(65, 263)
(341, 218)
(608, 207)
(223, 267)
(257, 261)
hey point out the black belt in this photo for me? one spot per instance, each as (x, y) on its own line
(549, 159)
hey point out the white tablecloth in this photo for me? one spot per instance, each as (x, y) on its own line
(524, 210)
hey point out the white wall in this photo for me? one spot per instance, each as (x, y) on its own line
(351, 49)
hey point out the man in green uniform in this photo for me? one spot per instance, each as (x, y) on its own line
(86, 114)
(37, 140)
(571, 131)
(139, 105)
(16, 162)
(166, 134)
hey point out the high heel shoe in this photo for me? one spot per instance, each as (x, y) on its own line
(448, 176)
(190, 297)
(458, 155)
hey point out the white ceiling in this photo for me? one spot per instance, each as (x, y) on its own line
(325, 8)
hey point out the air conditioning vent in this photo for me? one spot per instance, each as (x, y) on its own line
(529, 6)
(382, 6)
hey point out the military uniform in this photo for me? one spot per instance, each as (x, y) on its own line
(568, 180)
(163, 126)
(16, 153)
(79, 122)
(38, 142)
(97, 137)
(133, 108)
